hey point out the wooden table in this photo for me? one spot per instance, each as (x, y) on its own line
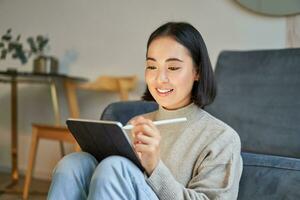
(14, 78)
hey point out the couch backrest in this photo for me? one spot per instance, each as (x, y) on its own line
(123, 111)
(259, 96)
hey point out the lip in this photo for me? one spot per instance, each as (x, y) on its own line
(164, 92)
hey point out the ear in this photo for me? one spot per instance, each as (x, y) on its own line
(197, 77)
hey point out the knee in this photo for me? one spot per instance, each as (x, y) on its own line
(113, 162)
(114, 166)
(75, 162)
(115, 170)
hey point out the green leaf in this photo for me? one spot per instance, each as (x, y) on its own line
(3, 54)
(20, 54)
(6, 37)
(1, 44)
(32, 44)
(11, 47)
(39, 38)
(43, 44)
(14, 55)
(18, 38)
(18, 46)
(14, 45)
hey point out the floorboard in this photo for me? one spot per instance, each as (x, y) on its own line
(38, 188)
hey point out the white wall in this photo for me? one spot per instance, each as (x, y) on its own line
(109, 37)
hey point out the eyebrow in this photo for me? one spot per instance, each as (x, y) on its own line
(168, 60)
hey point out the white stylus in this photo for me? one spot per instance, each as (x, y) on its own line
(160, 122)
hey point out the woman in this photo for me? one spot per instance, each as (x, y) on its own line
(198, 159)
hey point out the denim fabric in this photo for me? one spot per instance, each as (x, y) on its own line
(79, 176)
(269, 177)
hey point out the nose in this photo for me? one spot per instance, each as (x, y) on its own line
(162, 76)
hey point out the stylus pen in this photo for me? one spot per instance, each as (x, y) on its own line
(160, 122)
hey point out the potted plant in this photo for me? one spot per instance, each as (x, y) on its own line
(37, 46)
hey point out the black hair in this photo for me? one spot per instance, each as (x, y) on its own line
(204, 89)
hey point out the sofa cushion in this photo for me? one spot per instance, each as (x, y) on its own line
(269, 177)
(259, 96)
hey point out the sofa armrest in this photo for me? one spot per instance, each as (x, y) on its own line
(269, 177)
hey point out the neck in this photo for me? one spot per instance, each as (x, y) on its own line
(165, 113)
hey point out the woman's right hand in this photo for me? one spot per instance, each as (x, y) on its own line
(146, 140)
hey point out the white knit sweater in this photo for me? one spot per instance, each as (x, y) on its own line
(200, 158)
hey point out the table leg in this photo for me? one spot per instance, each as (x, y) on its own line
(55, 104)
(14, 128)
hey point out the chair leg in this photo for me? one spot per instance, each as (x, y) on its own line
(62, 149)
(31, 161)
(77, 147)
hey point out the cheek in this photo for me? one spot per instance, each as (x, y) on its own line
(149, 77)
(184, 85)
(183, 79)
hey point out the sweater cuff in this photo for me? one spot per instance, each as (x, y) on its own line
(163, 182)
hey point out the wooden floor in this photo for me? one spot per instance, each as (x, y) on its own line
(38, 188)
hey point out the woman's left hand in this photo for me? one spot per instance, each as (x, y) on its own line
(146, 142)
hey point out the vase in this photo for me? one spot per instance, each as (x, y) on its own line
(45, 65)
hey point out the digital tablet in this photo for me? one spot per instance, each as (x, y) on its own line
(102, 139)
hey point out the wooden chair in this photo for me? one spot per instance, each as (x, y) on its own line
(121, 85)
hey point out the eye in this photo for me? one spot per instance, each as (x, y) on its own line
(151, 67)
(173, 68)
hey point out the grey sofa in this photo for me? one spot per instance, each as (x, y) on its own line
(259, 96)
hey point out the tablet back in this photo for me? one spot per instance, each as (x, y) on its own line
(102, 139)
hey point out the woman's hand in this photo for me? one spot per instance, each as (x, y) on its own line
(146, 140)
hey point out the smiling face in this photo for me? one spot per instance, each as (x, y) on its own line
(170, 73)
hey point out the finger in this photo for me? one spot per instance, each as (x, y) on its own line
(135, 140)
(144, 148)
(136, 120)
(132, 133)
(144, 139)
(133, 120)
(149, 122)
(145, 129)
(142, 120)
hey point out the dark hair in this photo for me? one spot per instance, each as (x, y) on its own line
(204, 90)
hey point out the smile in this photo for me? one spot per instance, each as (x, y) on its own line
(164, 91)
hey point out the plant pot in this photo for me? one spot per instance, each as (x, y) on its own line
(45, 65)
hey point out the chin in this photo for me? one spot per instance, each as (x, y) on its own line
(164, 104)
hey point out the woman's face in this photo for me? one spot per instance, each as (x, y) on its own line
(170, 73)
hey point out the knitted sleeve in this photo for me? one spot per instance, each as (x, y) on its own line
(215, 177)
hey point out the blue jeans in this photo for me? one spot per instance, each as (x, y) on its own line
(80, 176)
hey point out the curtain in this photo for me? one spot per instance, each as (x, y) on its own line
(293, 31)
